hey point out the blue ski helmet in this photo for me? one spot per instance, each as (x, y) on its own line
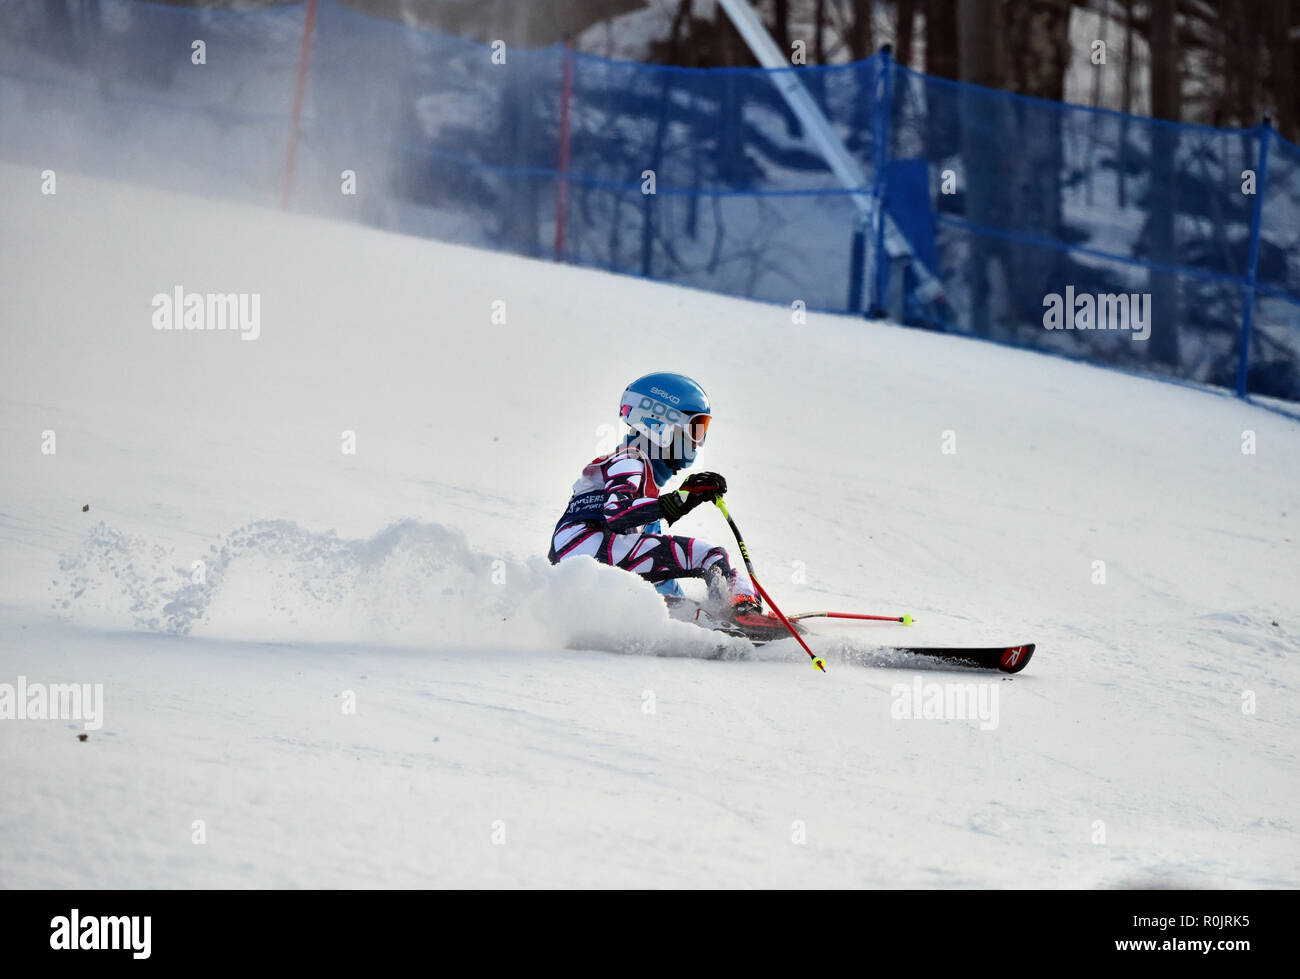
(671, 412)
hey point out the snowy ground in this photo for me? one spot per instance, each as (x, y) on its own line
(519, 725)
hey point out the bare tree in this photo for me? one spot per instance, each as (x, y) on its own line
(1284, 51)
(903, 35)
(979, 52)
(861, 42)
(1166, 103)
(941, 39)
(819, 32)
(781, 25)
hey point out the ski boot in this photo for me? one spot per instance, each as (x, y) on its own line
(749, 620)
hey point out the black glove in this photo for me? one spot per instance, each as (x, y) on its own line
(700, 488)
(707, 485)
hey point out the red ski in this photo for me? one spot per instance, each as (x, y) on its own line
(1008, 659)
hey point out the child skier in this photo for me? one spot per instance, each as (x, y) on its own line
(618, 501)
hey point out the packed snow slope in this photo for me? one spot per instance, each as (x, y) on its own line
(374, 679)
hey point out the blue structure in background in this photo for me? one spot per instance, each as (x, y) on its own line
(1005, 200)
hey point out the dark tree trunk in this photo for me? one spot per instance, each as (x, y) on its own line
(781, 26)
(1126, 101)
(1037, 54)
(819, 33)
(859, 38)
(983, 149)
(941, 39)
(942, 127)
(1166, 103)
(906, 15)
(860, 35)
(727, 39)
(980, 42)
(1283, 52)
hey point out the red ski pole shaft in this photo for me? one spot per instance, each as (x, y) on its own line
(744, 553)
(817, 660)
(905, 619)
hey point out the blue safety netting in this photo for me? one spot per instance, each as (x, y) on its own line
(1043, 199)
(1274, 340)
(1178, 246)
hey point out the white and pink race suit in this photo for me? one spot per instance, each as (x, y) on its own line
(607, 518)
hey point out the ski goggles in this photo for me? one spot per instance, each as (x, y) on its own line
(697, 426)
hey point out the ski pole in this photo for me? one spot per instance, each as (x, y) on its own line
(905, 619)
(744, 553)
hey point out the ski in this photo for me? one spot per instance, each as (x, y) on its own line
(1008, 659)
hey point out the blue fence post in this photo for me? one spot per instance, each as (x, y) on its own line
(1248, 308)
(882, 110)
